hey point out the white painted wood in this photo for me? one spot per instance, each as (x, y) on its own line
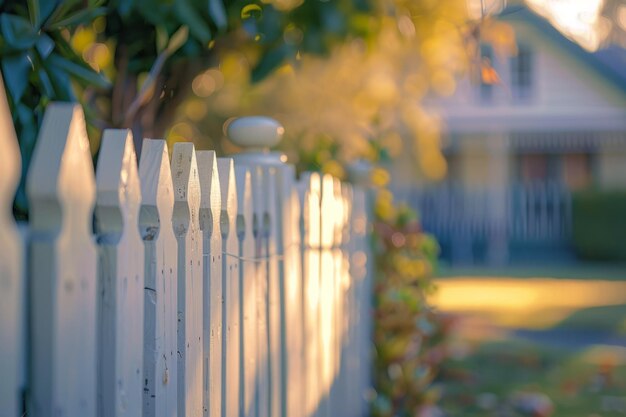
(294, 308)
(310, 193)
(290, 291)
(120, 278)
(247, 292)
(274, 285)
(327, 293)
(210, 213)
(336, 218)
(349, 363)
(160, 357)
(12, 311)
(260, 226)
(255, 132)
(230, 283)
(360, 267)
(62, 268)
(190, 290)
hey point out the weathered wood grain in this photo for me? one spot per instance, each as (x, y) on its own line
(247, 293)
(160, 358)
(210, 212)
(190, 286)
(62, 267)
(230, 284)
(120, 278)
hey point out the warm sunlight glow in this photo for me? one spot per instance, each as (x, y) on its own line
(580, 20)
(539, 303)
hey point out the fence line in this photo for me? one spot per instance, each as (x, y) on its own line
(207, 287)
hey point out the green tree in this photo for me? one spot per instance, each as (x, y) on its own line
(131, 63)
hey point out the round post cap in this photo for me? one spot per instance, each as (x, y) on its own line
(255, 132)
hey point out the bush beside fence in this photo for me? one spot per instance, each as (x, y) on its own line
(200, 287)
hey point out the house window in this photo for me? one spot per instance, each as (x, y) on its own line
(522, 73)
(486, 67)
(576, 170)
(538, 168)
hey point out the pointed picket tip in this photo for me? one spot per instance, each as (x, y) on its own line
(10, 160)
(157, 190)
(186, 187)
(228, 188)
(118, 189)
(210, 192)
(244, 200)
(61, 172)
(310, 202)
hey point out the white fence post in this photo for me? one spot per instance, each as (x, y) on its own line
(210, 212)
(120, 278)
(247, 293)
(284, 281)
(160, 356)
(230, 285)
(12, 285)
(187, 230)
(310, 189)
(62, 267)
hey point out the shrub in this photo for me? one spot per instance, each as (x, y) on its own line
(599, 225)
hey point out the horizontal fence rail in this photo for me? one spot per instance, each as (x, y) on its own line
(195, 287)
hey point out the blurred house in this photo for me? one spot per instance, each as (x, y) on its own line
(517, 149)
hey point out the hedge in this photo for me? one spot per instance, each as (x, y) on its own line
(599, 225)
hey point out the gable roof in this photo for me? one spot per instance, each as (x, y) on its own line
(610, 62)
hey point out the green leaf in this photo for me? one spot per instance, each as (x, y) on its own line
(16, 69)
(78, 71)
(60, 82)
(190, 17)
(34, 13)
(45, 82)
(178, 39)
(82, 16)
(44, 45)
(218, 14)
(17, 31)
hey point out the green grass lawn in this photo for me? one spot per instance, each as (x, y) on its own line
(582, 270)
(508, 378)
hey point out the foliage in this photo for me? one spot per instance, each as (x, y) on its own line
(131, 63)
(409, 337)
(599, 229)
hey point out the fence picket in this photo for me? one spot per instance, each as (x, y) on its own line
(247, 293)
(230, 284)
(120, 278)
(273, 292)
(160, 358)
(62, 267)
(187, 230)
(290, 291)
(360, 267)
(210, 212)
(261, 231)
(215, 288)
(12, 293)
(309, 193)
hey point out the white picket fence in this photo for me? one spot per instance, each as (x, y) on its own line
(200, 286)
